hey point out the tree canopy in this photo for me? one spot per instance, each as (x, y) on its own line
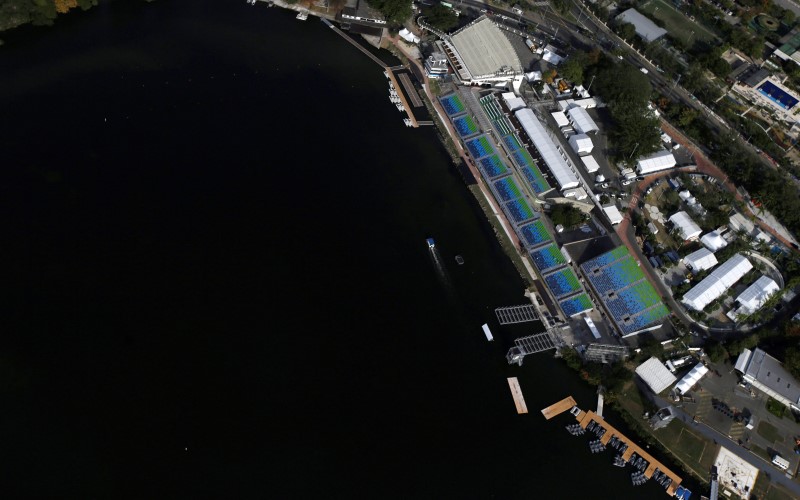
(396, 11)
(566, 215)
(441, 17)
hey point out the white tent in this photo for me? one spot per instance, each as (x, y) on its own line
(660, 160)
(408, 36)
(512, 101)
(581, 120)
(686, 226)
(756, 294)
(655, 375)
(590, 163)
(561, 119)
(691, 379)
(717, 283)
(551, 55)
(553, 158)
(700, 260)
(685, 194)
(581, 144)
(533, 76)
(613, 214)
(587, 103)
(713, 241)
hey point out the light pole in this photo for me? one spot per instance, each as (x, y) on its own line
(634, 150)
(690, 39)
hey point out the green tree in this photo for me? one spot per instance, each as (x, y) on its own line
(441, 17)
(566, 215)
(396, 11)
(626, 31)
(716, 352)
(572, 69)
(792, 361)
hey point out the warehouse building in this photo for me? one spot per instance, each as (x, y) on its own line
(766, 374)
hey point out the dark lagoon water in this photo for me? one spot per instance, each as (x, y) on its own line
(216, 283)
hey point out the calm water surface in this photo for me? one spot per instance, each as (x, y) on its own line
(216, 283)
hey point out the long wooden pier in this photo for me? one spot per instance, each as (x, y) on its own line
(584, 418)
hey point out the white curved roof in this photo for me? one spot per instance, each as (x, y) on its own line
(701, 260)
(685, 225)
(756, 294)
(690, 379)
(552, 157)
(717, 283)
(581, 120)
(484, 49)
(713, 241)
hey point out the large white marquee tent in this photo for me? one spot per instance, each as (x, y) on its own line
(717, 283)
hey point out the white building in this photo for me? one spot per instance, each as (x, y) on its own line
(581, 144)
(645, 28)
(655, 375)
(436, 65)
(613, 214)
(512, 101)
(755, 295)
(766, 374)
(739, 222)
(717, 283)
(691, 379)
(480, 53)
(687, 228)
(581, 121)
(551, 55)
(560, 118)
(660, 160)
(590, 163)
(555, 159)
(714, 241)
(700, 260)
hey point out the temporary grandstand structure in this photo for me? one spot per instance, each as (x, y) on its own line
(691, 379)
(632, 303)
(660, 160)
(713, 241)
(756, 294)
(686, 226)
(717, 283)
(512, 101)
(561, 119)
(766, 374)
(581, 121)
(581, 144)
(613, 214)
(655, 375)
(481, 53)
(553, 158)
(700, 260)
(645, 28)
(590, 163)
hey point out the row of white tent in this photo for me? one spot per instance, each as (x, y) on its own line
(658, 377)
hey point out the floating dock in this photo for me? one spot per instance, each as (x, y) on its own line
(487, 332)
(584, 418)
(516, 393)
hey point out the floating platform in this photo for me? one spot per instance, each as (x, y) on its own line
(487, 332)
(559, 408)
(516, 393)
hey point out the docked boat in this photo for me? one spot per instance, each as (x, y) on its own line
(431, 243)
(459, 260)
(302, 15)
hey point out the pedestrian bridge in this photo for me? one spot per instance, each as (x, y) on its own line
(516, 314)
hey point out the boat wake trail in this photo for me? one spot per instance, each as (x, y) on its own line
(441, 271)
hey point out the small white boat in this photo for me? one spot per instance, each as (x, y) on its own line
(487, 332)
(302, 15)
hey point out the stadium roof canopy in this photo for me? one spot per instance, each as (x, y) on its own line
(484, 49)
(690, 379)
(581, 120)
(700, 260)
(655, 375)
(645, 28)
(554, 159)
(713, 241)
(756, 294)
(717, 283)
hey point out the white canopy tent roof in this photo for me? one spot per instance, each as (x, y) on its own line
(687, 227)
(717, 283)
(581, 144)
(713, 241)
(613, 214)
(581, 120)
(551, 55)
(660, 160)
(701, 260)
(553, 158)
(409, 36)
(691, 379)
(655, 375)
(560, 118)
(756, 294)
(512, 101)
(645, 28)
(590, 163)
(685, 194)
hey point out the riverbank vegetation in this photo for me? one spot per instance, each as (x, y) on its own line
(15, 13)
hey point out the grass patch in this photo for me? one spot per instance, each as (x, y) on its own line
(776, 408)
(769, 432)
(761, 452)
(766, 490)
(691, 444)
